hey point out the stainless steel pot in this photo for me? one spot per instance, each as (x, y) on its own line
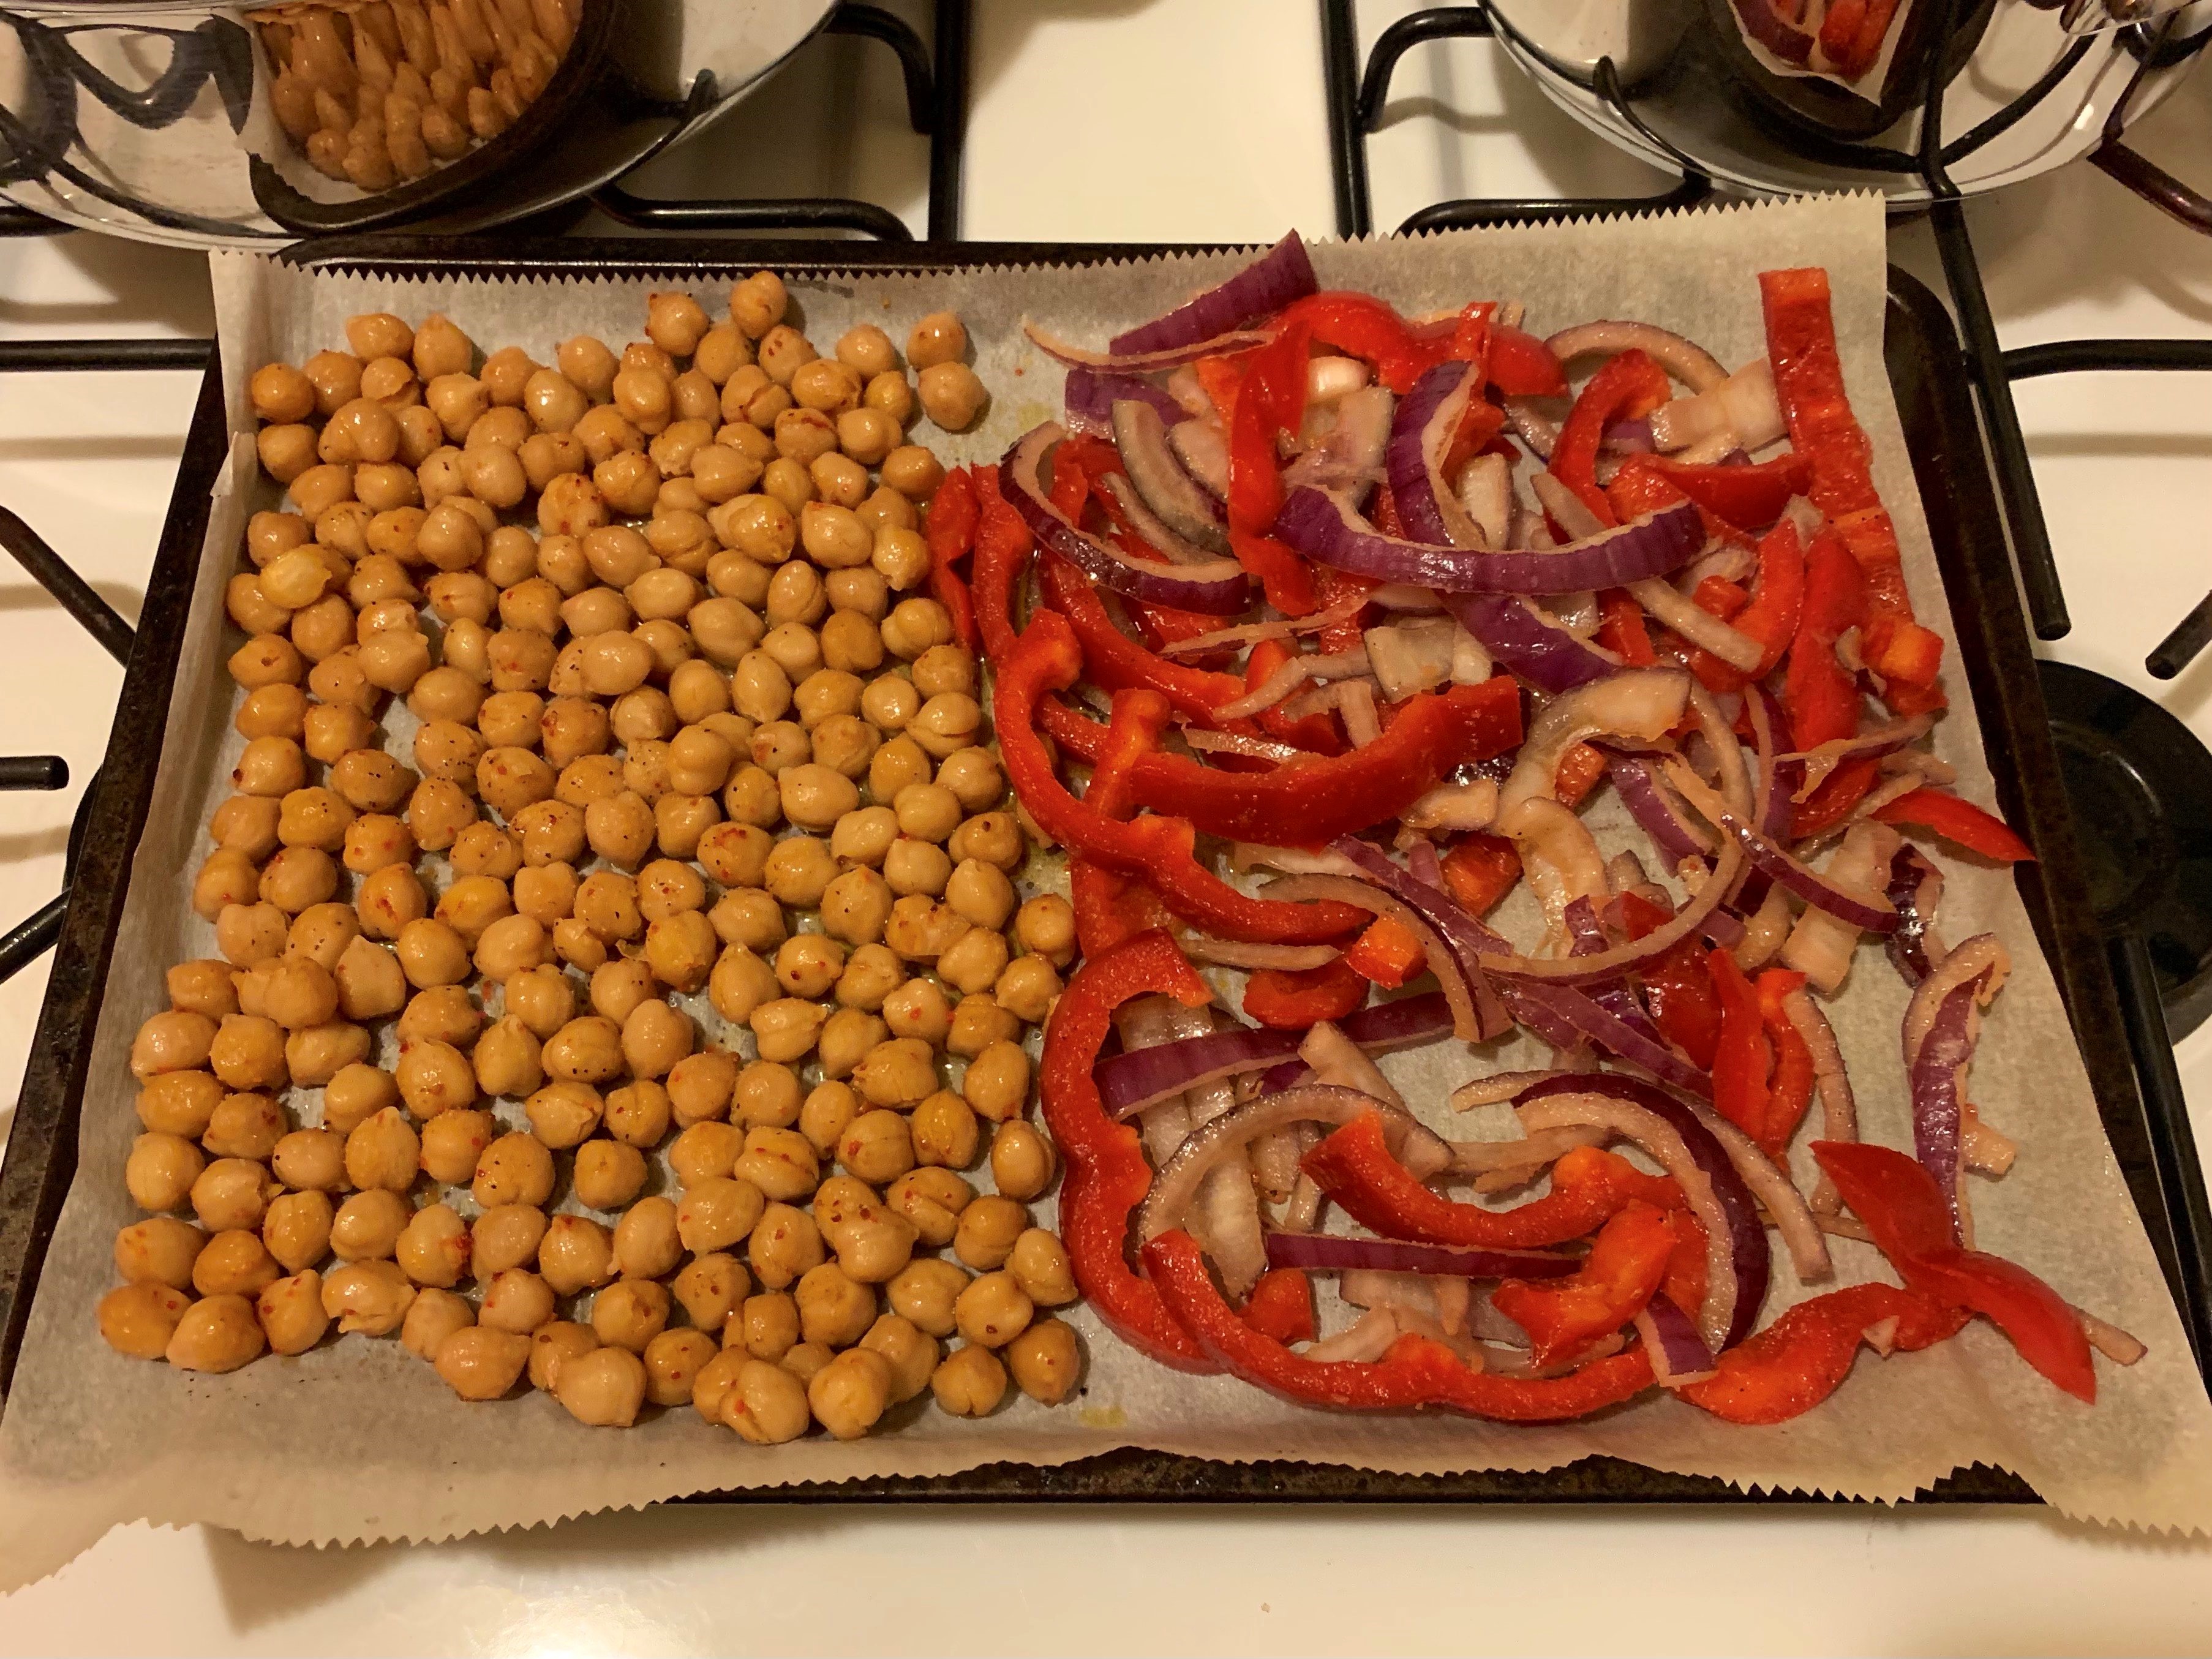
(165, 121)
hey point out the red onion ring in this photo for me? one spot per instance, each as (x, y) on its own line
(1380, 1028)
(1220, 588)
(1322, 525)
(1547, 656)
(1091, 394)
(1284, 273)
(1146, 363)
(1691, 364)
(1679, 1354)
(1421, 430)
(1167, 491)
(1915, 888)
(1779, 866)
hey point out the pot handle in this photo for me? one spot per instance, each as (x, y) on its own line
(2155, 185)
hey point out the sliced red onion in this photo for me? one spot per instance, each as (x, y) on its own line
(1548, 1008)
(1679, 1354)
(1135, 1078)
(1422, 430)
(1801, 879)
(1533, 425)
(1380, 1028)
(1204, 740)
(1350, 458)
(1628, 438)
(1586, 937)
(1239, 953)
(1091, 394)
(1326, 1253)
(1651, 803)
(1821, 945)
(1415, 655)
(1467, 939)
(1272, 281)
(1529, 1153)
(1765, 929)
(1548, 657)
(1143, 362)
(1423, 1153)
(1772, 807)
(1839, 1110)
(1811, 766)
(1220, 588)
(1640, 704)
(1699, 626)
(1916, 889)
(1560, 856)
(1366, 1339)
(1981, 958)
(1335, 1059)
(1148, 527)
(1485, 496)
(1141, 439)
(1692, 365)
(1737, 1263)
(1939, 1083)
(1742, 413)
(1204, 453)
(1293, 674)
(1323, 525)
(1423, 861)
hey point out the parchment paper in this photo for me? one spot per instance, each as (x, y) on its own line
(358, 1440)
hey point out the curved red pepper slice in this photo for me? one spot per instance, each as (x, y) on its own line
(1161, 850)
(1109, 906)
(1523, 366)
(1741, 1059)
(1415, 1371)
(1281, 1306)
(1822, 699)
(1297, 999)
(1789, 1089)
(1747, 497)
(1354, 1166)
(1626, 1263)
(1108, 1175)
(1629, 385)
(1904, 1210)
(1802, 1357)
(1118, 663)
(1677, 987)
(1832, 803)
(950, 529)
(1003, 546)
(1311, 801)
(1959, 822)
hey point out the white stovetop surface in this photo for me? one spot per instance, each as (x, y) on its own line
(1180, 119)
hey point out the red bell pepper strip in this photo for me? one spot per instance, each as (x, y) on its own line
(950, 529)
(1114, 660)
(1820, 697)
(1297, 1000)
(1003, 546)
(1626, 1263)
(1481, 871)
(1387, 954)
(1415, 1371)
(1778, 604)
(1790, 1088)
(1904, 1210)
(1078, 463)
(1801, 1359)
(1832, 803)
(1628, 385)
(1317, 732)
(1959, 822)
(1623, 631)
(1740, 1062)
(1110, 906)
(1280, 1306)
(1478, 428)
(1716, 596)
(1839, 30)
(1107, 1176)
(1272, 400)
(1354, 1166)
(1809, 379)
(1677, 987)
(1161, 850)
(1868, 45)
(1310, 802)
(1332, 586)
(1523, 366)
(1748, 497)
(1686, 1269)
(1362, 326)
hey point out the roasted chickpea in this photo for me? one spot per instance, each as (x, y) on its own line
(680, 949)
(452, 1143)
(296, 1229)
(846, 1037)
(998, 1082)
(515, 1169)
(562, 1114)
(437, 812)
(219, 1333)
(287, 452)
(506, 1236)
(507, 1060)
(543, 999)
(552, 1345)
(511, 946)
(713, 1214)
(603, 1388)
(654, 1037)
(577, 1254)
(917, 1013)
(925, 1292)
(784, 1029)
(159, 1251)
(367, 1225)
(673, 1362)
(699, 1086)
(480, 1363)
(233, 1264)
(629, 1314)
(433, 1247)
(356, 1093)
(705, 1150)
(433, 1316)
(799, 869)
(784, 1244)
(780, 1162)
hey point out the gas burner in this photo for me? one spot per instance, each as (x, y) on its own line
(2140, 783)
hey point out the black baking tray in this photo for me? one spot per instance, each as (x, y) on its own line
(1926, 371)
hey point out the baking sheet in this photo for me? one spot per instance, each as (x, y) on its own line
(358, 1440)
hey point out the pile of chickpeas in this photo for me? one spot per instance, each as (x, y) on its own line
(682, 731)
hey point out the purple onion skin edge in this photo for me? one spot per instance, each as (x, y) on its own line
(1747, 1238)
(1272, 281)
(1937, 1114)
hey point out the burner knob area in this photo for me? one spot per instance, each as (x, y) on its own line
(2140, 785)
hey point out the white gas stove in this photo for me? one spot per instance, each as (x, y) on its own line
(1177, 120)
